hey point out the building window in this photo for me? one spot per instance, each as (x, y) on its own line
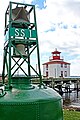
(46, 74)
(61, 65)
(46, 66)
(56, 55)
(65, 65)
(65, 73)
(61, 73)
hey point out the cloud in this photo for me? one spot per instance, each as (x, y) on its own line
(59, 27)
(74, 6)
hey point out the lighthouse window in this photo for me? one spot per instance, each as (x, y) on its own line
(65, 65)
(65, 73)
(46, 74)
(61, 65)
(46, 66)
(54, 55)
(58, 55)
(61, 73)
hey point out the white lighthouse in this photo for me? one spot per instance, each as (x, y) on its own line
(56, 67)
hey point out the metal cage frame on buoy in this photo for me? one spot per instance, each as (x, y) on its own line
(21, 40)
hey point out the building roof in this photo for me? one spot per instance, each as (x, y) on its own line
(56, 59)
(56, 52)
(56, 62)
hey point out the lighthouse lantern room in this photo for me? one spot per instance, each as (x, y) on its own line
(56, 55)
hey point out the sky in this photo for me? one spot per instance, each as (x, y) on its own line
(58, 23)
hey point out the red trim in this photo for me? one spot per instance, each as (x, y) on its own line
(56, 57)
(56, 62)
(56, 52)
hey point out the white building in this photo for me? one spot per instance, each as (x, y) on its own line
(56, 67)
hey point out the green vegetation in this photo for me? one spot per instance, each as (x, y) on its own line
(71, 115)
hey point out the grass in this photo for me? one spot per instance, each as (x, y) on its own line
(71, 115)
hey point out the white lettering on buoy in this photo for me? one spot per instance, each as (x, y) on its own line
(30, 33)
(16, 32)
(22, 33)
